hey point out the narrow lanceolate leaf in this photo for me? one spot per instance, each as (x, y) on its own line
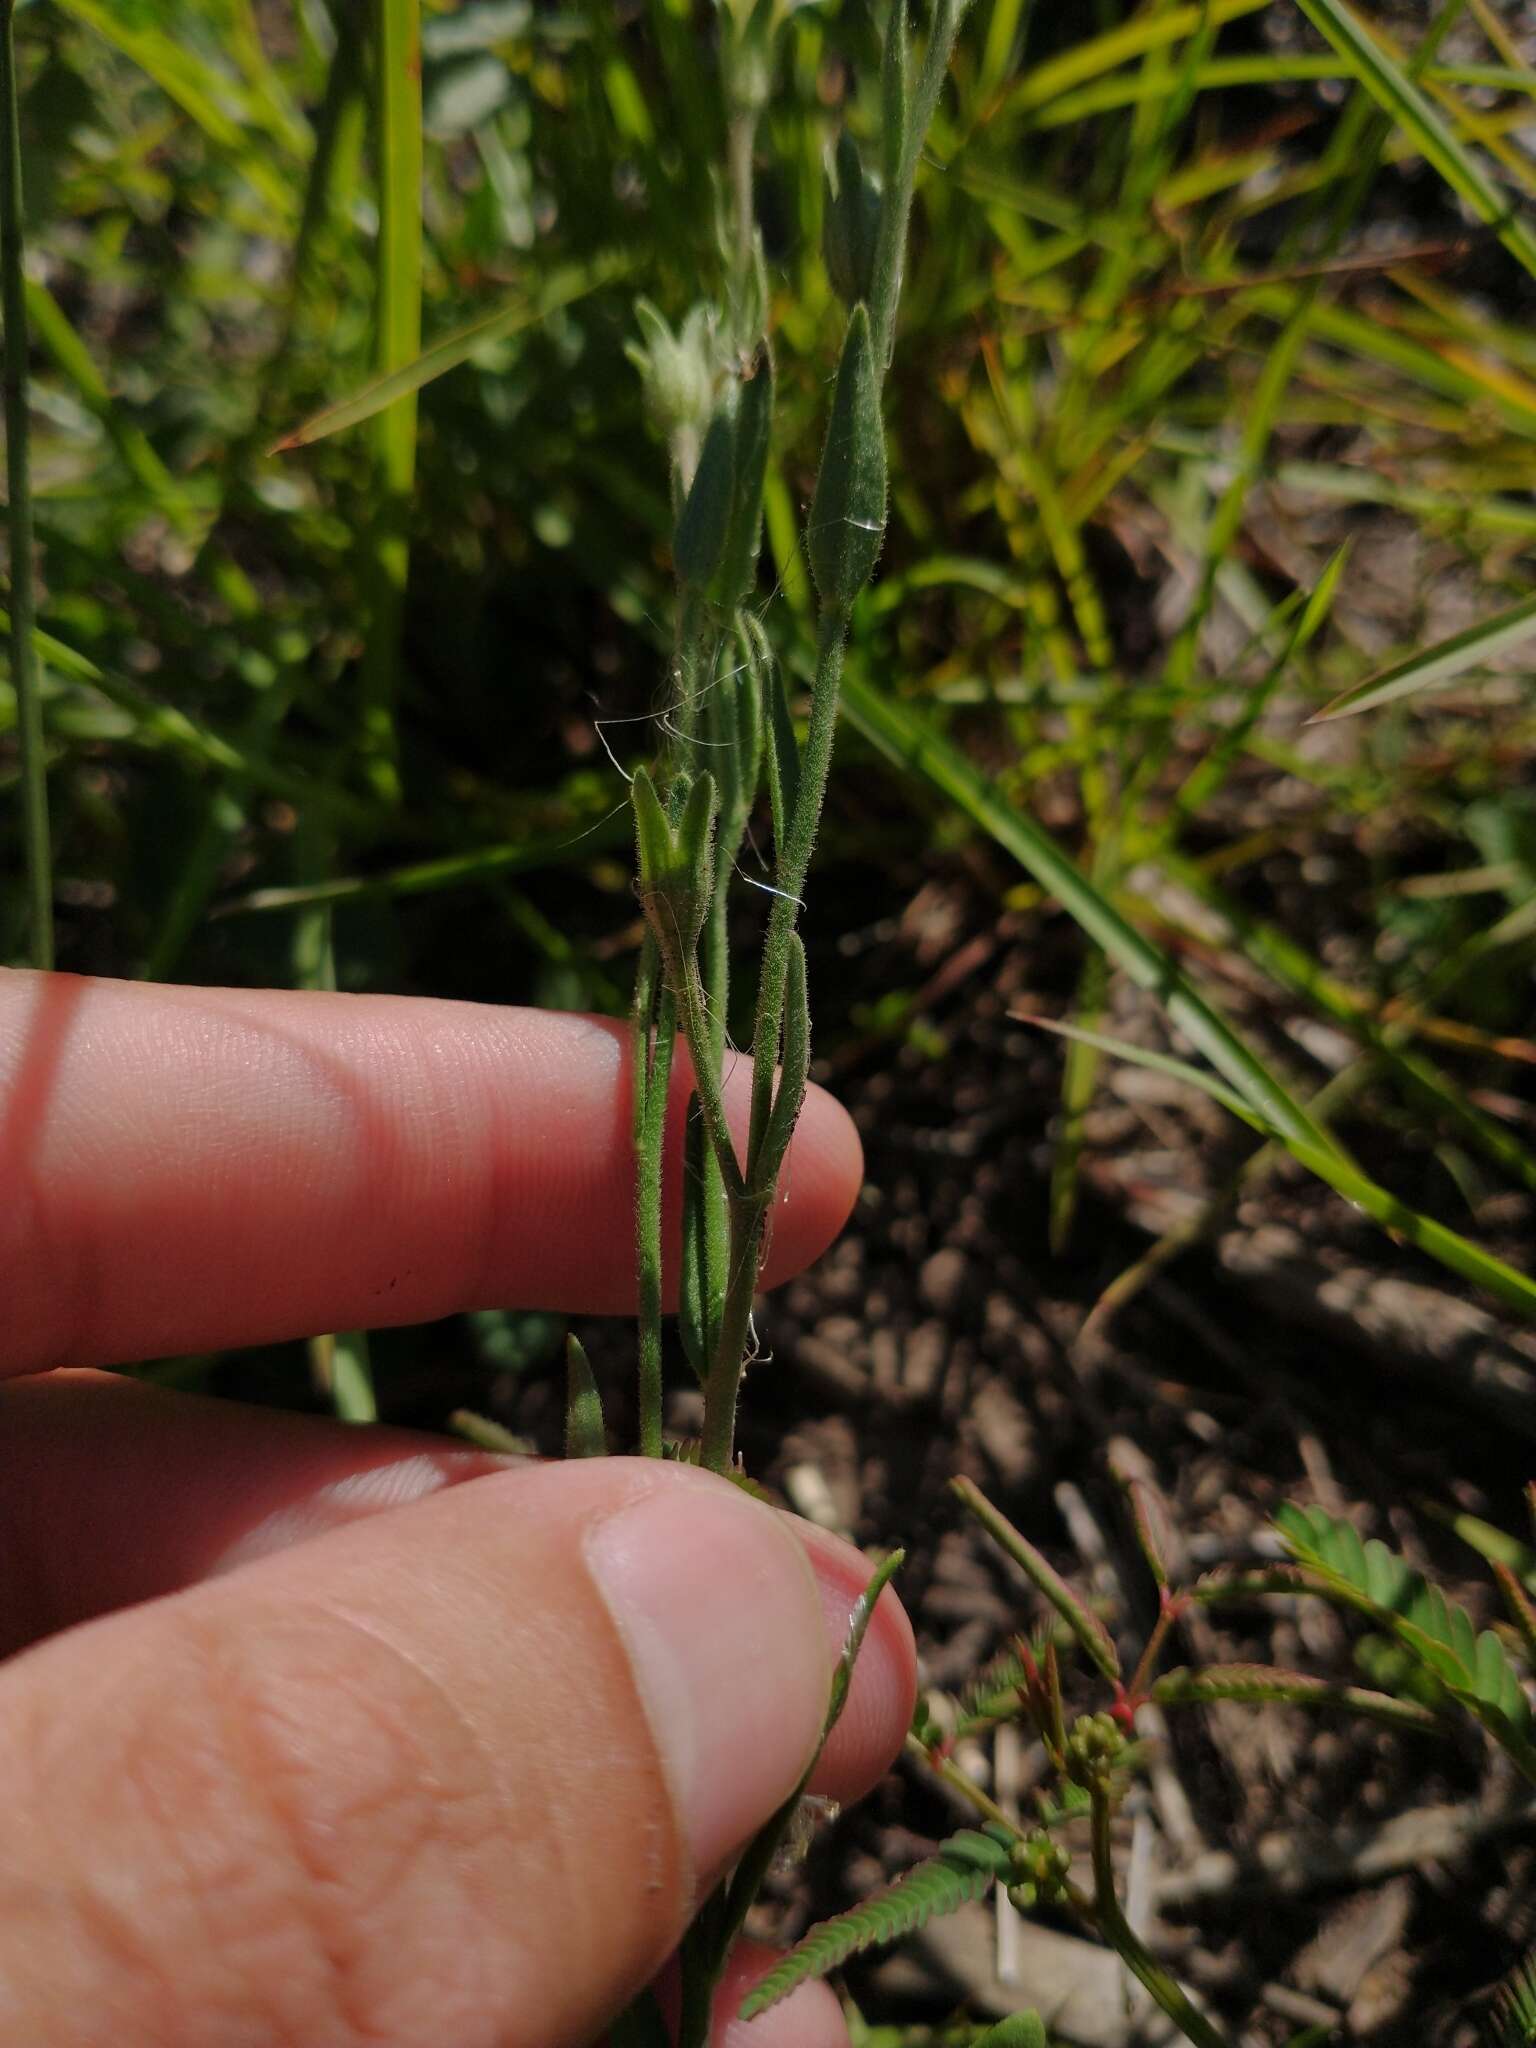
(912, 742)
(1259, 1683)
(1393, 90)
(1084, 1624)
(1437, 664)
(584, 1437)
(858, 1627)
(573, 281)
(737, 572)
(1459, 1254)
(848, 510)
(795, 1060)
(963, 1869)
(699, 541)
(1473, 1668)
(783, 750)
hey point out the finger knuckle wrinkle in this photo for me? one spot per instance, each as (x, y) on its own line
(373, 1797)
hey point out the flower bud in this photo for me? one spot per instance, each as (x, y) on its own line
(848, 510)
(678, 372)
(850, 223)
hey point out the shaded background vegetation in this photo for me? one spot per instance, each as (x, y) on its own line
(1186, 312)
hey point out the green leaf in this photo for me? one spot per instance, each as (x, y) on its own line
(584, 1434)
(1392, 89)
(1514, 2017)
(910, 741)
(795, 1063)
(565, 285)
(963, 1868)
(675, 863)
(853, 1641)
(1474, 1670)
(1437, 664)
(698, 1305)
(1018, 2030)
(1084, 1624)
(847, 524)
(737, 573)
(783, 747)
(698, 544)
(1260, 1683)
(850, 223)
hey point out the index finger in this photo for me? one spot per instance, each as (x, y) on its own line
(189, 1169)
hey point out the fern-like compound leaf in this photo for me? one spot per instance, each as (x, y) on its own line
(1474, 1669)
(961, 1869)
(1514, 2016)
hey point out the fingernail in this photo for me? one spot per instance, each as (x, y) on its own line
(717, 1607)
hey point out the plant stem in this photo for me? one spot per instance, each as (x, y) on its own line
(1127, 1944)
(653, 1036)
(25, 674)
(891, 241)
(397, 28)
(789, 879)
(749, 1203)
(748, 1214)
(740, 138)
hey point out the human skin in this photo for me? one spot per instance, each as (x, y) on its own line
(332, 1736)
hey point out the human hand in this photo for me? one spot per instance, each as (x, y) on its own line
(327, 1736)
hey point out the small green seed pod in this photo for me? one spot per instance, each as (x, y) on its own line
(676, 867)
(850, 223)
(848, 510)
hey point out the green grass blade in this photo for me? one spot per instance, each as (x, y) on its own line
(25, 669)
(1080, 1073)
(1438, 664)
(1148, 30)
(571, 282)
(1389, 85)
(214, 100)
(907, 739)
(397, 342)
(1458, 1254)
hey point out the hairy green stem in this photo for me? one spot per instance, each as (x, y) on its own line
(789, 880)
(653, 1035)
(749, 1206)
(891, 241)
(25, 675)
(748, 1219)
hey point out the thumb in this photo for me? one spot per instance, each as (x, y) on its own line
(456, 1773)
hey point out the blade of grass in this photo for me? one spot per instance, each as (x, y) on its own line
(1391, 88)
(1448, 1248)
(1145, 31)
(339, 1362)
(214, 100)
(1276, 954)
(906, 738)
(398, 140)
(24, 654)
(451, 871)
(571, 282)
(1458, 1254)
(1437, 664)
